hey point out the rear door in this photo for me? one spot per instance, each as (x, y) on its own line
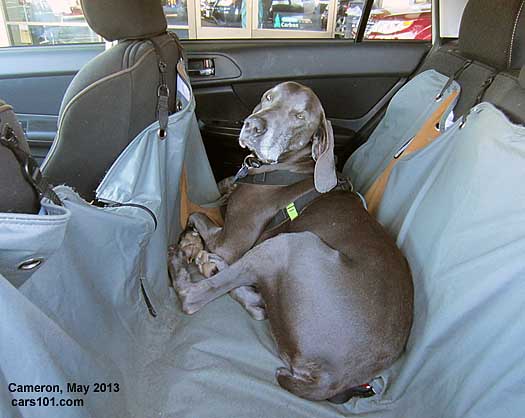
(353, 80)
(236, 50)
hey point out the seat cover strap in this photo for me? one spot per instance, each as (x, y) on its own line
(426, 135)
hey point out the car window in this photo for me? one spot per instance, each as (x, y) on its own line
(55, 22)
(400, 19)
(43, 22)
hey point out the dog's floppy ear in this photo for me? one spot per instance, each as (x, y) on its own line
(325, 177)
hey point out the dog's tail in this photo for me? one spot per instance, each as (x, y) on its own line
(310, 380)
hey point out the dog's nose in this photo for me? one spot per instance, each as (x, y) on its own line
(254, 126)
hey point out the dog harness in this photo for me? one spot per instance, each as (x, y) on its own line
(284, 178)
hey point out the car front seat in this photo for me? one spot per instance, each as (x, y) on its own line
(115, 96)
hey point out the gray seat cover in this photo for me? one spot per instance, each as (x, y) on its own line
(408, 110)
(82, 316)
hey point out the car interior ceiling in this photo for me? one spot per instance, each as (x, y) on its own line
(229, 370)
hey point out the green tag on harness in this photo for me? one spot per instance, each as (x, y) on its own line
(292, 211)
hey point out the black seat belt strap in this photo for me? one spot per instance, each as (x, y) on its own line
(30, 167)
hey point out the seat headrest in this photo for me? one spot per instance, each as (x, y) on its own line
(494, 33)
(125, 19)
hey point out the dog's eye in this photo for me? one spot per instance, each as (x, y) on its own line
(269, 97)
(300, 116)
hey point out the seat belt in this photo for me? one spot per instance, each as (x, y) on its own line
(426, 135)
(29, 166)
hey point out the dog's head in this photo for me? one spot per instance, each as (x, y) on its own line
(289, 118)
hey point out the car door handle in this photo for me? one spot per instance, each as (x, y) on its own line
(201, 67)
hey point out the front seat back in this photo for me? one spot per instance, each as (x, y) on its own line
(115, 96)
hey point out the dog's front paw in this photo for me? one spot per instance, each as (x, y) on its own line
(189, 293)
(190, 244)
(209, 264)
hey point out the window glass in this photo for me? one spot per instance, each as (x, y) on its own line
(176, 12)
(223, 13)
(55, 22)
(45, 22)
(309, 15)
(400, 19)
(348, 16)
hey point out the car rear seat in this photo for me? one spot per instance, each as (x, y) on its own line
(489, 42)
(464, 238)
(465, 358)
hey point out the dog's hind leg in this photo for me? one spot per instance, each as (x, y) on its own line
(309, 380)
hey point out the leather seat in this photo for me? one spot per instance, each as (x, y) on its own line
(113, 97)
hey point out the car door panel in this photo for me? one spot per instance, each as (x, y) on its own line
(34, 80)
(40, 131)
(353, 81)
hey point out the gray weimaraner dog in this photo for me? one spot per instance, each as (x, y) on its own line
(336, 290)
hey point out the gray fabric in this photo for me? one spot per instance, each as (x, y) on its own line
(408, 110)
(456, 208)
(125, 19)
(38, 238)
(488, 34)
(109, 102)
(82, 316)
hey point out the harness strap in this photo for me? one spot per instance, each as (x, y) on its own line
(274, 178)
(294, 209)
(284, 178)
(30, 167)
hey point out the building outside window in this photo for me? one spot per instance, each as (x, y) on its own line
(55, 22)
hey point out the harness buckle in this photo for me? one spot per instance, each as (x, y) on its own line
(250, 161)
(291, 210)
